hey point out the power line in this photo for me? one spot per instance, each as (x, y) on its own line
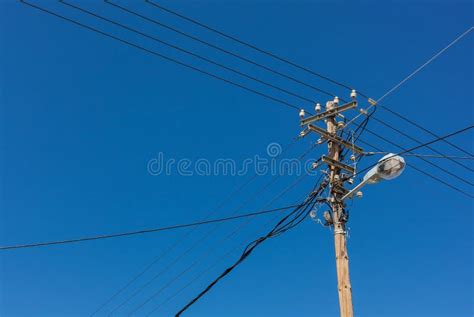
(431, 176)
(421, 158)
(134, 45)
(424, 129)
(426, 63)
(299, 214)
(182, 239)
(439, 180)
(226, 255)
(249, 45)
(176, 47)
(273, 55)
(364, 128)
(96, 15)
(230, 69)
(420, 142)
(452, 174)
(418, 147)
(428, 156)
(211, 249)
(419, 126)
(410, 76)
(160, 55)
(193, 54)
(139, 232)
(225, 51)
(183, 254)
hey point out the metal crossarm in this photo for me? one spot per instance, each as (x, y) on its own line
(329, 113)
(337, 164)
(334, 138)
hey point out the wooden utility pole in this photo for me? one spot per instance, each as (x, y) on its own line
(339, 223)
(338, 216)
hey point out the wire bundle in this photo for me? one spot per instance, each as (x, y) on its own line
(288, 222)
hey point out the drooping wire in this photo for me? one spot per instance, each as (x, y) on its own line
(140, 232)
(428, 155)
(218, 48)
(287, 61)
(219, 260)
(176, 47)
(421, 158)
(211, 249)
(285, 224)
(192, 67)
(183, 238)
(418, 147)
(439, 180)
(154, 53)
(249, 45)
(390, 126)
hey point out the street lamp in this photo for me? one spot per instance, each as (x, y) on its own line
(388, 167)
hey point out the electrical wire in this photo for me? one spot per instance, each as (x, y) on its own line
(210, 250)
(154, 53)
(424, 129)
(426, 63)
(176, 47)
(287, 61)
(184, 237)
(439, 180)
(427, 155)
(172, 264)
(238, 56)
(282, 226)
(248, 45)
(143, 231)
(421, 158)
(420, 142)
(293, 106)
(226, 255)
(129, 43)
(418, 147)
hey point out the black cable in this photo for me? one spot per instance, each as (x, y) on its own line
(209, 251)
(200, 274)
(161, 55)
(439, 180)
(409, 150)
(301, 213)
(138, 232)
(249, 45)
(273, 55)
(248, 250)
(417, 147)
(420, 142)
(134, 45)
(180, 257)
(183, 238)
(421, 145)
(220, 65)
(176, 47)
(424, 129)
(429, 156)
(161, 24)
(421, 158)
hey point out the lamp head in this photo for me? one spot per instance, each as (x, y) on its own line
(389, 167)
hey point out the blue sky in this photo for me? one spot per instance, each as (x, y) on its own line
(82, 115)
